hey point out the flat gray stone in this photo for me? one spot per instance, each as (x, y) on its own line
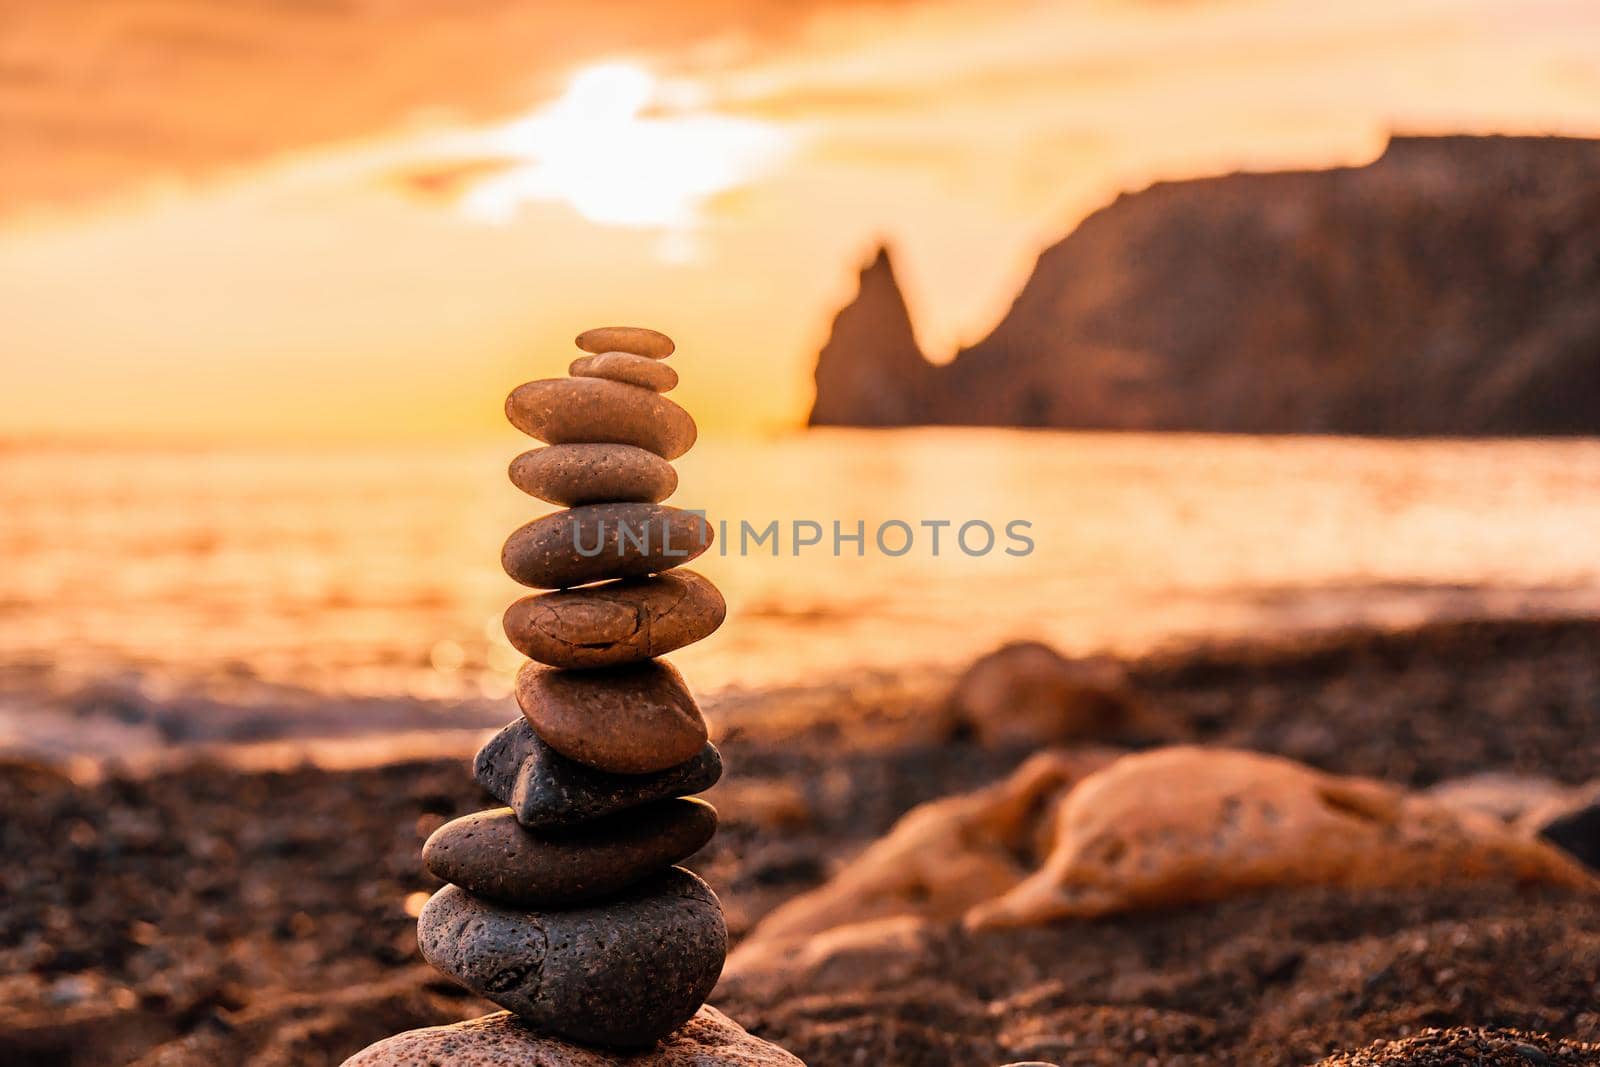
(545, 789)
(493, 856)
(622, 974)
(617, 622)
(599, 541)
(710, 1039)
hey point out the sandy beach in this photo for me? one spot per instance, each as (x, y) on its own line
(198, 914)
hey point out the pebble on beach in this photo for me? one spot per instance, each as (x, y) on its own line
(546, 789)
(1028, 694)
(560, 411)
(627, 720)
(615, 623)
(491, 855)
(633, 339)
(642, 371)
(709, 1039)
(594, 474)
(599, 541)
(623, 974)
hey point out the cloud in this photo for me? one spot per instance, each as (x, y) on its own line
(96, 97)
(615, 148)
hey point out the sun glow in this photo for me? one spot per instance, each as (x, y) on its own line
(621, 150)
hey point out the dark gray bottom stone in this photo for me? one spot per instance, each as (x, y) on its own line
(623, 974)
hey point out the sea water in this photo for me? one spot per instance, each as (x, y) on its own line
(373, 571)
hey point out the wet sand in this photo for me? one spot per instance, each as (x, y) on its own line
(199, 914)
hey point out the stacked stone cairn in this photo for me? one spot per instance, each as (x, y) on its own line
(566, 906)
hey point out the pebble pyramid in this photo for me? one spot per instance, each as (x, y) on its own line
(566, 906)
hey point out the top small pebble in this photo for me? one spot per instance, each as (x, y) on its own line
(635, 340)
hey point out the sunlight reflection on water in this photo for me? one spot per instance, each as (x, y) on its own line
(368, 571)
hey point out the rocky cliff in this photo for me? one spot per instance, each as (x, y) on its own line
(1450, 287)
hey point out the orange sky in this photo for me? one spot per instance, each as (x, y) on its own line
(274, 220)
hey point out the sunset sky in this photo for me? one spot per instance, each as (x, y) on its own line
(292, 220)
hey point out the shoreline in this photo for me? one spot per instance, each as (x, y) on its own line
(113, 727)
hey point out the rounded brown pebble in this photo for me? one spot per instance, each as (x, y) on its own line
(642, 371)
(710, 1039)
(594, 474)
(624, 973)
(626, 720)
(491, 855)
(546, 789)
(599, 541)
(560, 411)
(615, 623)
(635, 340)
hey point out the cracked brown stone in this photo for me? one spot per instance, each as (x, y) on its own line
(615, 623)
